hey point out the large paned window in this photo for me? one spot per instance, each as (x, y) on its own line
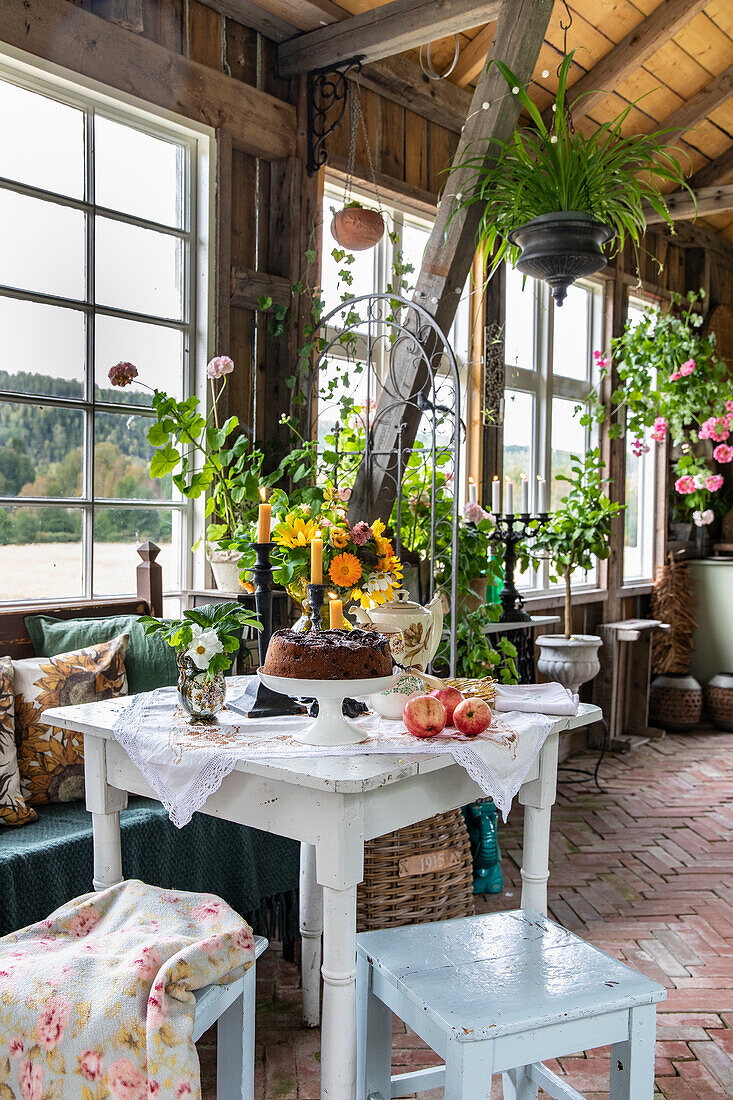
(549, 371)
(98, 264)
(639, 517)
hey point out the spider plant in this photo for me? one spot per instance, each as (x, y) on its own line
(544, 170)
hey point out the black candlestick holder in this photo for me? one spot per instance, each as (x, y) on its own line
(261, 701)
(316, 600)
(511, 529)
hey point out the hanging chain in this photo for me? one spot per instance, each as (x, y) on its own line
(357, 121)
(565, 27)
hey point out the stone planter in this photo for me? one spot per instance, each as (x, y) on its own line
(719, 700)
(561, 248)
(570, 661)
(675, 701)
(225, 567)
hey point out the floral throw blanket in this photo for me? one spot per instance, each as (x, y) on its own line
(97, 1000)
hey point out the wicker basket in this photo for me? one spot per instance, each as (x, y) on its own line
(719, 700)
(417, 874)
(675, 701)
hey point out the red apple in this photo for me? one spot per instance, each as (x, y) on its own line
(424, 716)
(450, 698)
(472, 716)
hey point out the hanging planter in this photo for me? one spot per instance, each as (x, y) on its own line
(561, 248)
(356, 227)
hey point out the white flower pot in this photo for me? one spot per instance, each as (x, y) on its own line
(570, 661)
(225, 567)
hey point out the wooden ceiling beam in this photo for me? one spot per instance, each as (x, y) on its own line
(699, 106)
(710, 200)
(67, 35)
(451, 247)
(631, 53)
(718, 171)
(382, 32)
(472, 57)
(280, 19)
(403, 81)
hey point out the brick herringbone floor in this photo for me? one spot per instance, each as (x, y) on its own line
(642, 871)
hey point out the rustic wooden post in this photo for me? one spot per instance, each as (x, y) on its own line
(494, 111)
(150, 578)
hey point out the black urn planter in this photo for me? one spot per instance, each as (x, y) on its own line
(561, 248)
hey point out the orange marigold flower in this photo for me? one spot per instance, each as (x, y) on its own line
(345, 570)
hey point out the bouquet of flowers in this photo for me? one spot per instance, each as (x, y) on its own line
(208, 636)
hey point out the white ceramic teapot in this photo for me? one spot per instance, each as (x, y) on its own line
(420, 626)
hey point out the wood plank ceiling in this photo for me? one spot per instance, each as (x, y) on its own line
(676, 54)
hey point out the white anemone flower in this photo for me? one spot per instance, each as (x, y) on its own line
(204, 645)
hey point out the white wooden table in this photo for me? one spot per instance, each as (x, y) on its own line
(332, 805)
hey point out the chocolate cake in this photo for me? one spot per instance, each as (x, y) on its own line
(329, 654)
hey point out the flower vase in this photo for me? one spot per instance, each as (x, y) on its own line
(201, 695)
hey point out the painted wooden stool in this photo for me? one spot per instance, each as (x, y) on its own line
(500, 993)
(232, 1009)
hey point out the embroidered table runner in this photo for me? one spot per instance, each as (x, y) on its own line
(98, 999)
(184, 762)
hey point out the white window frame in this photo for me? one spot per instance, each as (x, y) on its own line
(544, 385)
(197, 323)
(646, 520)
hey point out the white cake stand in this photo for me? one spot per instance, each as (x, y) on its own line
(330, 728)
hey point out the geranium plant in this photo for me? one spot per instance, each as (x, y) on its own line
(209, 636)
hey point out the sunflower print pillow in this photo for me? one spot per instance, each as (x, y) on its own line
(13, 808)
(51, 760)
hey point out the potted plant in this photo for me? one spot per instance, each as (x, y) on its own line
(205, 641)
(552, 196)
(576, 535)
(357, 227)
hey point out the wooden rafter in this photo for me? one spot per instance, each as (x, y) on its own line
(279, 19)
(382, 32)
(631, 52)
(682, 206)
(718, 171)
(472, 57)
(701, 104)
(451, 247)
(402, 81)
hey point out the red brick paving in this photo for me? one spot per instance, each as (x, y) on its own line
(643, 872)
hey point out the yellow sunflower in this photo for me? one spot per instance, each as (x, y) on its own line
(295, 531)
(340, 538)
(378, 528)
(345, 570)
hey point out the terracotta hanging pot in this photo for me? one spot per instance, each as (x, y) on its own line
(561, 248)
(357, 228)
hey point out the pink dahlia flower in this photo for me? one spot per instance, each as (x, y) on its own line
(723, 453)
(685, 484)
(122, 374)
(687, 368)
(219, 366)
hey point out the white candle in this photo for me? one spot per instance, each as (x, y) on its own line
(525, 495)
(496, 496)
(471, 491)
(541, 495)
(509, 497)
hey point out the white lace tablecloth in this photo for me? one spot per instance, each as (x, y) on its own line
(184, 762)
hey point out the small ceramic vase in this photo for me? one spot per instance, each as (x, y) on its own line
(201, 696)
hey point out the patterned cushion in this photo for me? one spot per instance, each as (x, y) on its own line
(13, 808)
(51, 760)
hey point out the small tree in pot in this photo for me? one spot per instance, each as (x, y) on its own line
(575, 537)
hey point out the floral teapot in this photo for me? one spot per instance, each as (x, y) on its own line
(421, 626)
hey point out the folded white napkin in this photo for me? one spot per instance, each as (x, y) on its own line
(536, 699)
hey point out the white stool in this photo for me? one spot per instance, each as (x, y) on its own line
(232, 1009)
(499, 994)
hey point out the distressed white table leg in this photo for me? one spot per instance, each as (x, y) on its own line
(537, 798)
(311, 931)
(338, 1030)
(104, 803)
(632, 1062)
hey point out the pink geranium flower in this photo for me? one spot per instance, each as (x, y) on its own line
(685, 484)
(660, 429)
(602, 362)
(723, 453)
(714, 482)
(122, 374)
(126, 1081)
(687, 368)
(716, 428)
(83, 922)
(639, 447)
(675, 376)
(30, 1079)
(219, 366)
(729, 406)
(90, 1065)
(53, 1020)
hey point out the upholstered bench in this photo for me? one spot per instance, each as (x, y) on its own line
(500, 993)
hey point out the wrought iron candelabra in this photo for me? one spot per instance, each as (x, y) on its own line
(316, 600)
(266, 703)
(511, 529)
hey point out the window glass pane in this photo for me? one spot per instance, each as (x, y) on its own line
(121, 457)
(519, 331)
(156, 351)
(40, 450)
(568, 439)
(518, 439)
(138, 269)
(42, 246)
(570, 350)
(137, 173)
(42, 141)
(117, 534)
(42, 349)
(414, 239)
(50, 562)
